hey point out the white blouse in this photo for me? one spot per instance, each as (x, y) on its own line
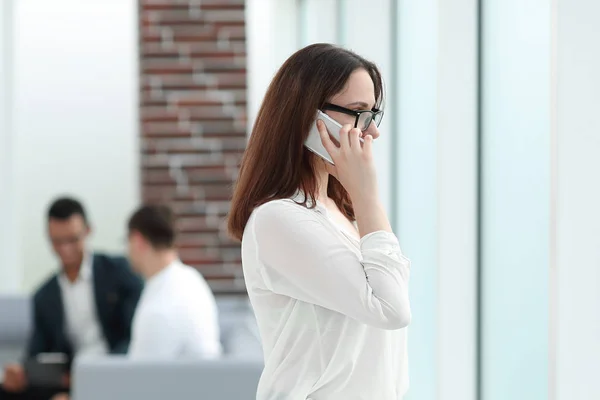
(332, 311)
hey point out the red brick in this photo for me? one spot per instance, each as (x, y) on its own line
(169, 17)
(208, 175)
(229, 245)
(223, 54)
(224, 15)
(199, 256)
(150, 36)
(204, 100)
(229, 47)
(186, 6)
(218, 281)
(219, 272)
(196, 224)
(207, 113)
(215, 80)
(169, 82)
(156, 176)
(160, 115)
(201, 97)
(172, 3)
(165, 129)
(203, 82)
(167, 193)
(212, 161)
(217, 192)
(166, 3)
(209, 48)
(167, 66)
(220, 127)
(231, 31)
(180, 85)
(148, 99)
(224, 64)
(175, 146)
(234, 78)
(158, 50)
(146, 22)
(195, 240)
(197, 33)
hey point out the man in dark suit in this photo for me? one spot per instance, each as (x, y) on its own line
(85, 309)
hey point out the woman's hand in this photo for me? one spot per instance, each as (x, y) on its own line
(355, 170)
(353, 160)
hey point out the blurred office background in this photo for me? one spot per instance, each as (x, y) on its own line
(488, 159)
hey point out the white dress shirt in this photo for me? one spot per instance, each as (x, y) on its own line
(331, 309)
(176, 316)
(83, 326)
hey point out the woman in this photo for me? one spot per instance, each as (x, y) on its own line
(325, 274)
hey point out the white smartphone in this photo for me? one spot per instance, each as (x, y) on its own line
(313, 142)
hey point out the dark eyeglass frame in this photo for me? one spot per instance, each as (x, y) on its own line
(356, 113)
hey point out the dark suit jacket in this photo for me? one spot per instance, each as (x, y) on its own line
(116, 290)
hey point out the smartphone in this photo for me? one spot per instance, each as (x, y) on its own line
(313, 142)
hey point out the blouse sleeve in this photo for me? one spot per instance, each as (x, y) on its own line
(302, 258)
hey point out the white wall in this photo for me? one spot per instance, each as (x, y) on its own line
(10, 275)
(457, 199)
(319, 20)
(75, 120)
(417, 185)
(516, 202)
(576, 82)
(267, 46)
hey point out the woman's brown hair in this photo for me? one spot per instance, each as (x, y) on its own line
(276, 164)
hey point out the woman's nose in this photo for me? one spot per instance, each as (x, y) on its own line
(372, 130)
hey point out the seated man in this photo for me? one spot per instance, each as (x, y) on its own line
(85, 309)
(177, 314)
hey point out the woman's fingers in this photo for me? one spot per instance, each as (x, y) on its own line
(368, 145)
(344, 137)
(355, 138)
(331, 147)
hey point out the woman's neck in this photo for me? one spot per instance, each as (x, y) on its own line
(322, 182)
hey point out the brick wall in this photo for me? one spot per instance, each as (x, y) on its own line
(193, 119)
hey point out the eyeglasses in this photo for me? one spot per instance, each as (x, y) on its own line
(363, 117)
